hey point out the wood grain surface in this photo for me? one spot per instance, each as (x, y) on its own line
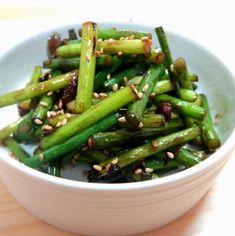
(213, 215)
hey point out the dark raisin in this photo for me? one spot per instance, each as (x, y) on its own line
(52, 44)
(165, 108)
(70, 91)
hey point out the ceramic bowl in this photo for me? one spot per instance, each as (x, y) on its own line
(117, 209)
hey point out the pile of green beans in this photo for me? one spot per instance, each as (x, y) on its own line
(109, 98)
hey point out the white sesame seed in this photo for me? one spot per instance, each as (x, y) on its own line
(134, 90)
(141, 125)
(97, 53)
(60, 104)
(90, 142)
(125, 79)
(44, 104)
(60, 112)
(37, 121)
(58, 124)
(170, 155)
(122, 87)
(172, 68)
(144, 38)
(67, 115)
(110, 41)
(47, 127)
(48, 114)
(114, 161)
(122, 119)
(97, 167)
(41, 157)
(120, 53)
(49, 93)
(158, 50)
(103, 95)
(148, 170)
(145, 88)
(64, 121)
(132, 36)
(107, 167)
(102, 50)
(56, 107)
(96, 95)
(53, 113)
(152, 95)
(108, 76)
(122, 38)
(140, 95)
(88, 57)
(154, 143)
(115, 87)
(99, 40)
(138, 171)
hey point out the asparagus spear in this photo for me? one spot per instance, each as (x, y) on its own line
(209, 135)
(16, 149)
(71, 144)
(10, 129)
(155, 146)
(92, 115)
(129, 73)
(122, 136)
(114, 33)
(25, 105)
(186, 108)
(187, 158)
(135, 110)
(33, 91)
(120, 47)
(188, 95)
(87, 67)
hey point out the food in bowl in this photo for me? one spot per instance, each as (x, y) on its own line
(113, 101)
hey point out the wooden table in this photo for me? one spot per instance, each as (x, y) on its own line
(211, 216)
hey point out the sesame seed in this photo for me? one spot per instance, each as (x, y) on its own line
(37, 121)
(96, 95)
(120, 53)
(53, 113)
(44, 104)
(154, 143)
(148, 170)
(138, 171)
(133, 55)
(110, 41)
(88, 57)
(10, 153)
(115, 87)
(48, 114)
(58, 124)
(97, 53)
(64, 121)
(102, 50)
(122, 38)
(67, 115)
(56, 107)
(170, 155)
(99, 40)
(152, 95)
(108, 76)
(141, 125)
(107, 167)
(114, 161)
(103, 95)
(125, 79)
(49, 93)
(144, 38)
(145, 88)
(97, 167)
(132, 36)
(134, 90)
(172, 68)
(47, 127)
(90, 142)
(60, 104)
(158, 50)
(140, 95)
(76, 156)
(122, 119)
(41, 157)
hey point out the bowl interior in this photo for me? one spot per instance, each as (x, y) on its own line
(214, 79)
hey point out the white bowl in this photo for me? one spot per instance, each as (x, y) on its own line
(117, 209)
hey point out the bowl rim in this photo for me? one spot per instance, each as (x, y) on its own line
(216, 157)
